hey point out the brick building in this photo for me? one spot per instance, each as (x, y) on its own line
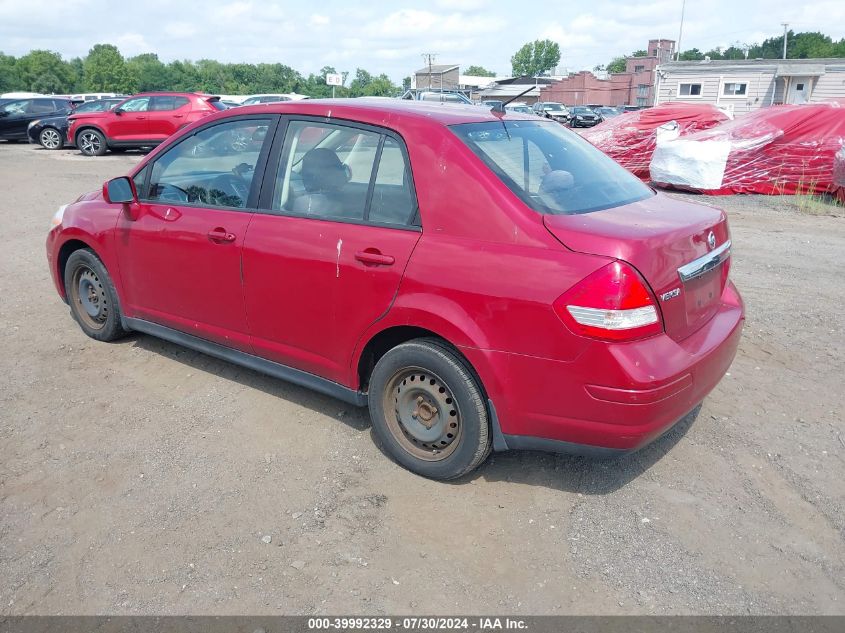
(635, 86)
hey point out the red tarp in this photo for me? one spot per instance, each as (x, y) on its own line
(785, 149)
(630, 138)
(839, 174)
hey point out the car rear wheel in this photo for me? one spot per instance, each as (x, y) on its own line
(428, 410)
(49, 138)
(91, 142)
(92, 297)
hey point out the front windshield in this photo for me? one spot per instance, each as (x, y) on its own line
(554, 106)
(95, 106)
(553, 170)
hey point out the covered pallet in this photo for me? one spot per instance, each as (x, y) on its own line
(630, 138)
(785, 149)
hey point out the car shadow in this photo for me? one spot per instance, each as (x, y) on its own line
(568, 473)
(352, 416)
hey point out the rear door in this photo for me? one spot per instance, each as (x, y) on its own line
(324, 258)
(180, 258)
(167, 114)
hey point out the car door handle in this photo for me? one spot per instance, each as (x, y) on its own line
(178, 116)
(221, 235)
(374, 257)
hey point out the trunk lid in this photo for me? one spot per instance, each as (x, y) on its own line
(659, 236)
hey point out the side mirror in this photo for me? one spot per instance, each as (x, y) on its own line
(118, 111)
(120, 191)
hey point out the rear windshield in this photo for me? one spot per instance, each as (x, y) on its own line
(215, 103)
(553, 170)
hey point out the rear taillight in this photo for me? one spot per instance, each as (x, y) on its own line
(613, 304)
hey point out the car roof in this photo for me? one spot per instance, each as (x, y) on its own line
(380, 111)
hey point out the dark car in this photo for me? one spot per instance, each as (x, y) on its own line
(51, 132)
(483, 281)
(606, 112)
(16, 114)
(582, 116)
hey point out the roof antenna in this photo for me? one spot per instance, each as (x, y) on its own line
(500, 109)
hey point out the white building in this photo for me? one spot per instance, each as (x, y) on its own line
(740, 86)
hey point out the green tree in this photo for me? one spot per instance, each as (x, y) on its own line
(358, 86)
(380, 86)
(691, 55)
(147, 72)
(639, 53)
(616, 65)
(105, 70)
(479, 71)
(535, 58)
(43, 71)
(9, 80)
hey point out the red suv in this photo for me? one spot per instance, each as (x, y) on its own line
(483, 281)
(143, 120)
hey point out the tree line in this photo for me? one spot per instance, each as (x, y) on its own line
(104, 69)
(801, 45)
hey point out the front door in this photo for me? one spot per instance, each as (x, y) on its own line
(799, 90)
(326, 259)
(180, 257)
(14, 118)
(129, 122)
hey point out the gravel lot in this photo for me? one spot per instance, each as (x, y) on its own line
(142, 478)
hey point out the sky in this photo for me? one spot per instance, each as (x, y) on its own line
(391, 36)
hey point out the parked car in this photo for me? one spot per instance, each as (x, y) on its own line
(607, 113)
(144, 120)
(482, 283)
(582, 116)
(16, 114)
(552, 110)
(440, 96)
(51, 132)
(520, 108)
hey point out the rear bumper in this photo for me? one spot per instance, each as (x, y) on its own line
(614, 398)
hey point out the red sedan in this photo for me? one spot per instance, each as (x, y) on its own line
(483, 281)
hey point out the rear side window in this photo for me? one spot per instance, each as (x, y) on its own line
(338, 172)
(554, 171)
(168, 103)
(42, 106)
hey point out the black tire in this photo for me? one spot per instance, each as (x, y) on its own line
(51, 138)
(92, 297)
(91, 142)
(438, 427)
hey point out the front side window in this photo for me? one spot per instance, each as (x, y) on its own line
(16, 107)
(551, 169)
(689, 90)
(214, 167)
(141, 104)
(734, 89)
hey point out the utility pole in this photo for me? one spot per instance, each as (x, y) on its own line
(430, 57)
(785, 26)
(681, 30)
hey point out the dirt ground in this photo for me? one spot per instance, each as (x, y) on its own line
(142, 478)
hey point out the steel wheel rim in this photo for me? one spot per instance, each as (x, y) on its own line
(89, 296)
(90, 142)
(50, 139)
(422, 414)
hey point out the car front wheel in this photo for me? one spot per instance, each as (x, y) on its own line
(91, 143)
(49, 138)
(428, 410)
(92, 297)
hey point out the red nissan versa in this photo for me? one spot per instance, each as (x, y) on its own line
(142, 120)
(480, 280)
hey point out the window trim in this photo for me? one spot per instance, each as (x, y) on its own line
(724, 95)
(260, 165)
(691, 83)
(268, 193)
